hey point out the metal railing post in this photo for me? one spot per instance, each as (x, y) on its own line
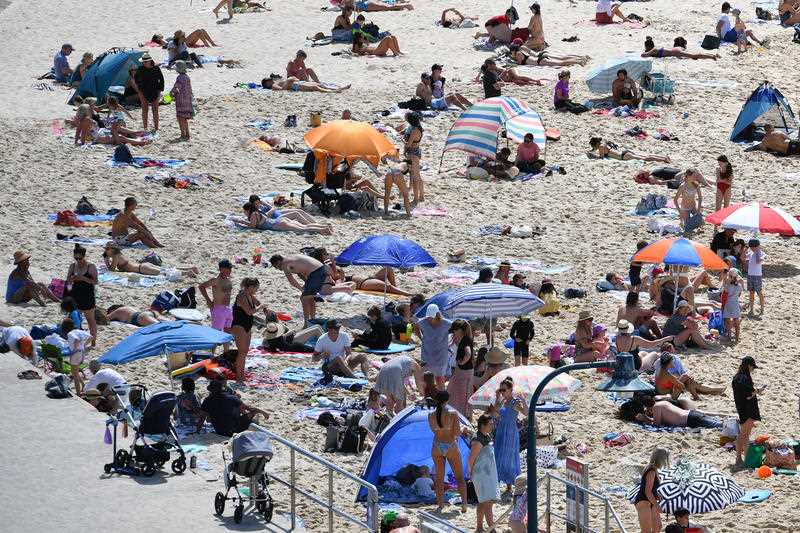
(607, 515)
(330, 501)
(547, 504)
(292, 482)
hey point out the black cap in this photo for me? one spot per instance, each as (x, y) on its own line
(436, 66)
(753, 242)
(332, 324)
(225, 264)
(749, 361)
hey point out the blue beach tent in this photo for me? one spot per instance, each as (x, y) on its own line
(164, 338)
(108, 70)
(408, 439)
(765, 106)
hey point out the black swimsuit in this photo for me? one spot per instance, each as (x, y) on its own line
(241, 318)
(83, 292)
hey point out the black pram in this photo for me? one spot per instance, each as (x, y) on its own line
(251, 451)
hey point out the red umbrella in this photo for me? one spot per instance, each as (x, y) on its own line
(757, 217)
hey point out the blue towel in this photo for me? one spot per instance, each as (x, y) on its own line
(393, 348)
(86, 218)
(314, 375)
(138, 162)
(262, 124)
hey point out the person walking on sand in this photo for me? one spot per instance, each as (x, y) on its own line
(127, 220)
(755, 276)
(150, 84)
(745, 396)
(219, 303)
(182, 93)
(311, 271)
(228, 4)
(647, 499)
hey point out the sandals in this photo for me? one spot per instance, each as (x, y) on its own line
(29, 374)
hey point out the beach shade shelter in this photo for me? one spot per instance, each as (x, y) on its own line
(350, 140)
(756, 217)
(679, 252)
(165, 338)
(441, 300)
(697, 487)
(386, 250)
(765, 106)
(526, 379)
(600, 78)
(108, 70)
(475, 130)
(408, 439)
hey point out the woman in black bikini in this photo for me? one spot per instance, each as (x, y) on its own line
(244, 308)
(679, 50)
(522, 55)
(647, 498)
(412, 136)
(115, 261)
(606, 150)
(81, 278)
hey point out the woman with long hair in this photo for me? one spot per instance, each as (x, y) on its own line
(507, 408)
(460, 385)
(244, 308)
(646, 501)
(745, 395)
(81, 280)
(412, 136)
(483, 471)
(724, 182)
(446, 427)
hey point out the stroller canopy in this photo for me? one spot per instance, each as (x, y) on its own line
(251, 444)
(165, 337)
(157, 412)
(108, 70)
(767, 106)
(406, 440)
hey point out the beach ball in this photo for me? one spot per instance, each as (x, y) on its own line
(764, 472)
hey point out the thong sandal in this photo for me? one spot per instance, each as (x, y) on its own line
(29, 374)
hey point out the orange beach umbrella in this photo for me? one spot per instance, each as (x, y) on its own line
(350, 140)
(679, 252)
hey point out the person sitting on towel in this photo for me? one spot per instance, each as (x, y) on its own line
(379, 334)
(337, 357)
(777, 142)
(226, 411)
(624, 90)
(528, 156)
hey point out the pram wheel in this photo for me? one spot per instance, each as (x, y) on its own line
(149, 470)
(265, 506)
(179, 465)
(238, 513)
(219, 504)
(122, 458)
(107, 468)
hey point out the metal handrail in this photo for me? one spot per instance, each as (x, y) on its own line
(372, 492)
(608, 507)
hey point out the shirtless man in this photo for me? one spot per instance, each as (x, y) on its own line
(311, 271)
(775, 141)
(624, 90)
(220, 301)
(127, 220)
(664, 413)
(296, 68)
(293, 84)
(642, 319)
(129, 315)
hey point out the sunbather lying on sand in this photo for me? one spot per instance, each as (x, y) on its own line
(281, 220)
(293, 84)
(608, 150)
(508, 75)
(452, 18)
(678, 50)
(647, 410)
(87, 131)
(522, 55)
(370, 6)
(382, 280)
(116, 262)
(130, 315)
(389, 43)
(778, 142)
(197, 36)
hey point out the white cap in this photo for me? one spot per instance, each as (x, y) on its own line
(432, 311)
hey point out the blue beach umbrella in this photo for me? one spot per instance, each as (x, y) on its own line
(386, 250)
(600, 78)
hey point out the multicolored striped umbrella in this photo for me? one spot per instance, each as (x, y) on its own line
(490, 300)
(526, 379)
(679, 252)
(757, 217)
(475, 130)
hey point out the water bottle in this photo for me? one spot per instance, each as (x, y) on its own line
(409, 331)
(257, 256)
(151, 213)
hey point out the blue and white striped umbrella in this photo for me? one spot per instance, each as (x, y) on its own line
(600, 78)
(491, 300)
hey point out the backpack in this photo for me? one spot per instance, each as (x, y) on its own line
(575, 293)
(165, 301)
(710, 42)
(58, 387)
(371, 29)
(85, 207)
(415, 104)
(186, 298)
(355, 201)
(320, 197)
(122, 154)
(309, 168)
(352, 437)
(383, 421)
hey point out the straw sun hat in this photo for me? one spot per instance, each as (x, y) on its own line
(273, 330)
(20, 256)
(496, 356)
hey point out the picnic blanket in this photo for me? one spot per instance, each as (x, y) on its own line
(148, 162)
(299, 374)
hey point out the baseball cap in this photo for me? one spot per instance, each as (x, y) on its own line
(753, 242)
(683, 303)
(749, 361)
(67, 45)
(436, 66)
(432, 311)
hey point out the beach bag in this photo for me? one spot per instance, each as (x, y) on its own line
(85, 207)
(68, 218)
(754, 456)
(575, 293)
(58, 287)
(730, 427)
(694, 221)
(165, 301)
(551, 305)
(780, 456)
(320, 197)
(716, 321)
(371, 29)
(347, 202)
(186, 298)
(122, 154)
(40, 331)
(352, 437)
(710, 42)
(58, 387)
(415, 104)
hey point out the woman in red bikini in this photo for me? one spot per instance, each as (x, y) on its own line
(724, 182)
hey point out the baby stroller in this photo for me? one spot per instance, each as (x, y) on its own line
(146, 455)
(252, 451)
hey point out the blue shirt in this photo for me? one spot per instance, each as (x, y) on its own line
(77, 318)
(60, 64)
(14, 284)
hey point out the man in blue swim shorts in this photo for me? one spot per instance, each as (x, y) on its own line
(311, 271)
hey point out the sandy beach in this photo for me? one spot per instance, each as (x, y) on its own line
(585, 211)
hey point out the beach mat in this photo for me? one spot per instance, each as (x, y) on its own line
(299, 374)
(148, 162)
(52, 217)
(755, 496)
(393, 348)
(632, 25)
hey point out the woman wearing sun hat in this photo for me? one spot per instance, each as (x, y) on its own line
(626, 341)
(150, 84)
(21, 287)
(183, 95)
(584, 347)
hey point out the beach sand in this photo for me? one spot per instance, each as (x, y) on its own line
(584, 211)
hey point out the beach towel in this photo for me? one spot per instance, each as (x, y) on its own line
(290, 166)
(262, 124)
(84, 218)
(486, 45)
(148, 162)
(139, 280)
(429, 212)
(530, 176)
(393, 348)
(299, 374)
(91, 241)
(632, 25)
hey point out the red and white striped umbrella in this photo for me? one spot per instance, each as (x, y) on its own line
(756, 216)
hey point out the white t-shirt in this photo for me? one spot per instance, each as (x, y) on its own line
(110, 377)
(77, 339)
(604, 6)
(334, 348)
(12, 334)
(57, 340)
(753, 266)
(726, 24)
